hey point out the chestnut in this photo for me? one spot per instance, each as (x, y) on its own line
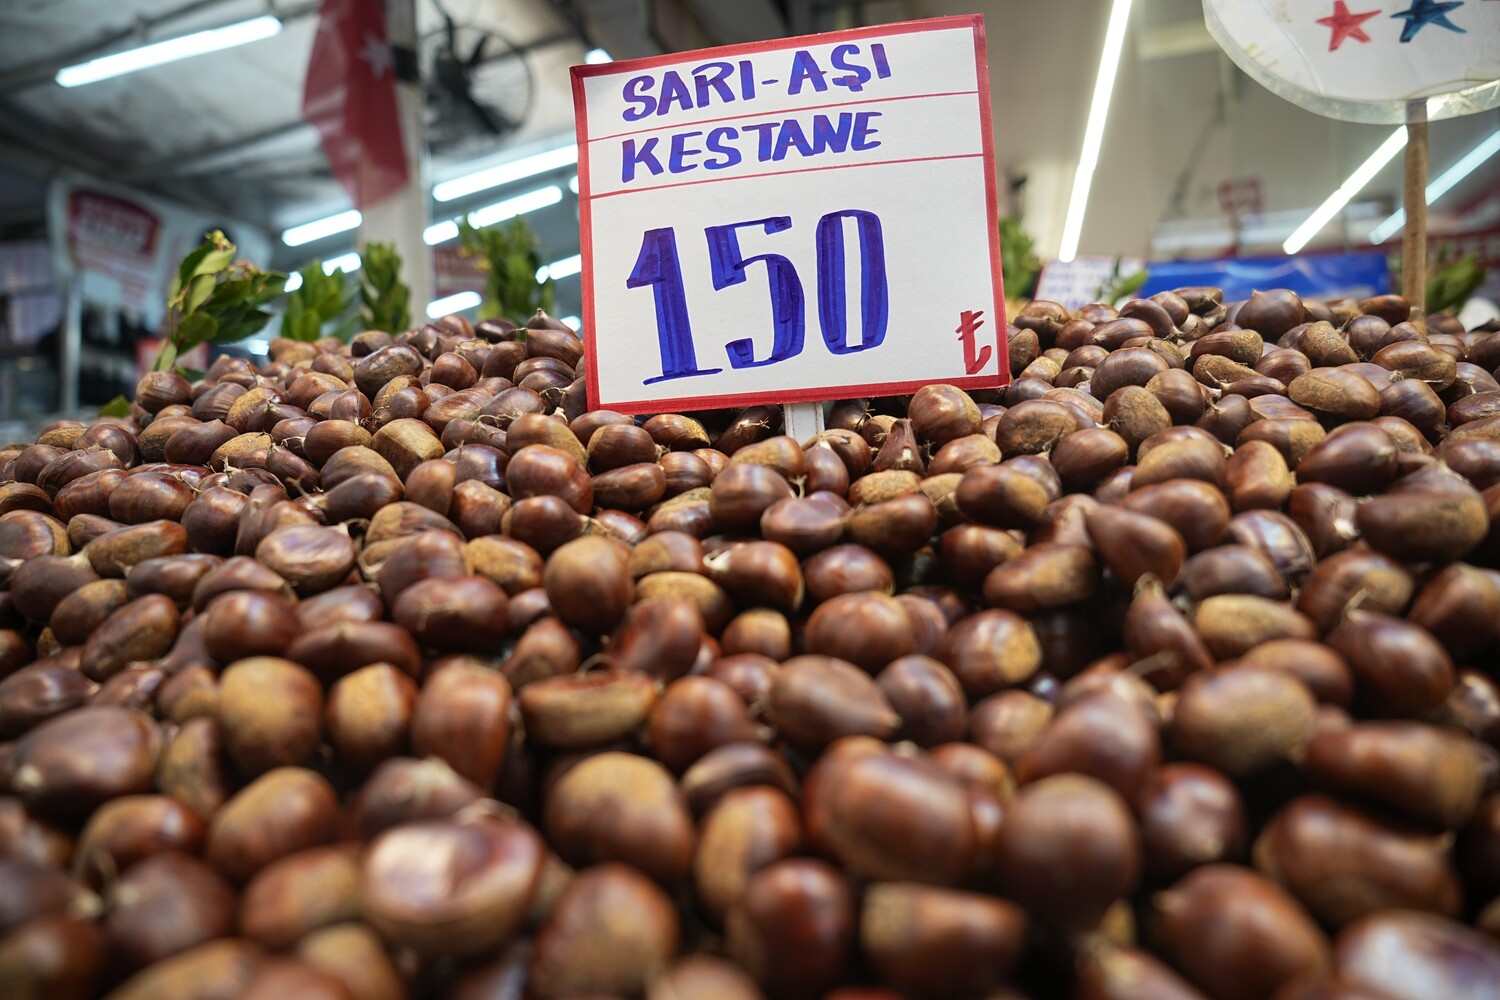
(934, 942)
(659, 637)
(368, 714)
(575, 712)
(279, 813)
(355, 955)
(164, 905)
(462, 715)
(1238, 935)
(745, 830)
(1243, 719)
(60, 957)
(866, 629)
(1190, 815)
(889, 817)
(270, 713)
(216, 970)
(301, 893)
(1103, 735)
(132, 828)
(583, 947)
(693, 716)
(402, 790)
(1407, 956)
(588, 582)
(795, 927)
(1343, 863)
(1429, 774)
(927, 697)
(1067, 849)
(70, 764)
(815, 700)
(616, 806)
(736, 765)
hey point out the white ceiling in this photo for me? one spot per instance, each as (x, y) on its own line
(222, 131)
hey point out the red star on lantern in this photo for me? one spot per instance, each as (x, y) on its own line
(1346, 25)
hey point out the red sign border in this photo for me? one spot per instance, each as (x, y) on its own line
(974, 22)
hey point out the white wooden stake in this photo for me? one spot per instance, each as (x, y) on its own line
(803, 420)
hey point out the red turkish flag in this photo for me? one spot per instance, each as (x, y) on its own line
(350, 98)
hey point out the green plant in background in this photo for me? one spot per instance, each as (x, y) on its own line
(1121, 286)
(508, 255)
(1019, 264)
(319, 300)
(215, 299)
(1451, 284)
(386, 301)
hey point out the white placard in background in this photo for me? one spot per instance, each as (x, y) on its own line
(793, 220)
(1077, 282)
(123, 247)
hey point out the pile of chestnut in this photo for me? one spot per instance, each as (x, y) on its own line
(387, 669)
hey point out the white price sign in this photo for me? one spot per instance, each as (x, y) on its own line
(791, 220)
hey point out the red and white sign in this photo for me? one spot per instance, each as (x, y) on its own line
(350, 98)
(116, 241)
(123, 247)
(453, 272)
(791, 220)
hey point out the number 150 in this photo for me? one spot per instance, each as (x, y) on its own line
(659, 268)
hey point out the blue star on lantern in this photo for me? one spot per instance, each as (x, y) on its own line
(1425, 12)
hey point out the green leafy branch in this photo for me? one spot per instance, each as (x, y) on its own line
(1451, 284)
(1019, 264)
(509, 258)
(1121, 286)
(215, 299)
(319, 300)
(386, 302)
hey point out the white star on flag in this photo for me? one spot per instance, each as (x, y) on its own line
(377, 55)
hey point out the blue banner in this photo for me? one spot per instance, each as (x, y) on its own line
(1319, 276)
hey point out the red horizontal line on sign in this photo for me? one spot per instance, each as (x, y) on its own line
(810, 395)
(779, 111)
(783, 173)
(952, 22)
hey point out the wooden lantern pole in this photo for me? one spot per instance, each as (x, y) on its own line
(1414, 237)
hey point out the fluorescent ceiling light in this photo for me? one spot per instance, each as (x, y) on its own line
(319, 228)
(453, 304)
(507, 173)
(560, 268)
(596, 56)
(440, 232)
(531, 201)
(1093, 135)
(1444, 183)
(1362, 175)
(168, 51)
(348, 262)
